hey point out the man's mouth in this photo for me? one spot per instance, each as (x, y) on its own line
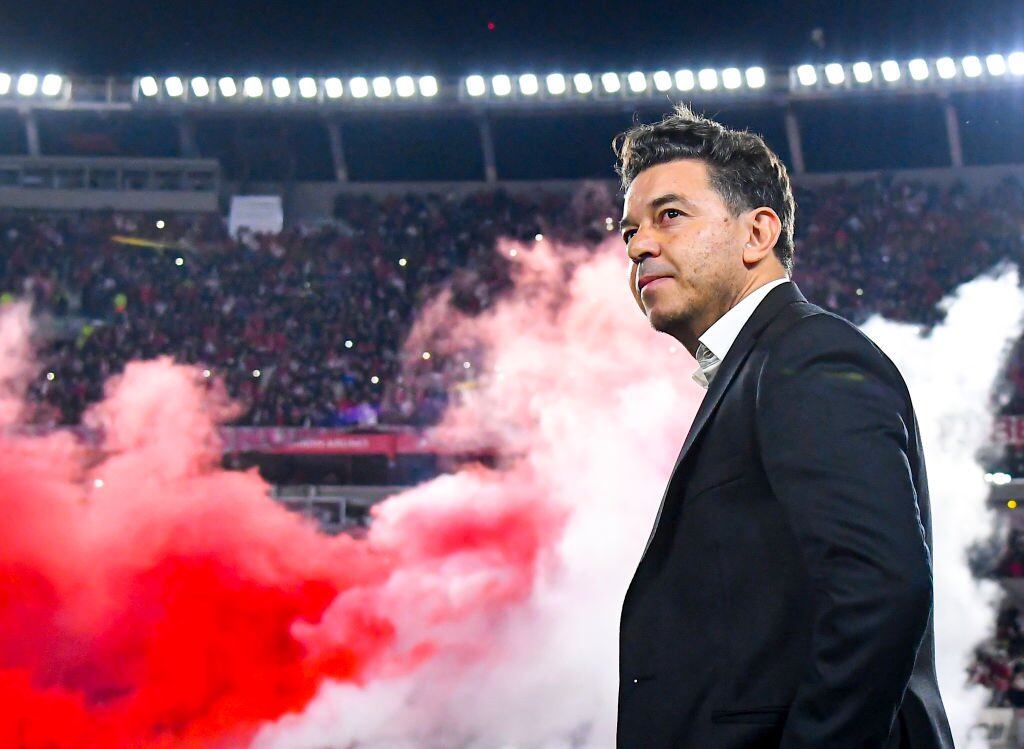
(645, 280)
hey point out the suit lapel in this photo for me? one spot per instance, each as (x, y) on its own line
(769, 307)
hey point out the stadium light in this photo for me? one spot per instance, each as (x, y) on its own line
(475, 85)
(174, 86)
(252, 87)
(835, 74)
(945, 67)
(890, 70)
(708, 79)
(756, 77)
(281, 87)
(662, 80)
(405, 86)
(731, 78)
(27, 84)
(610, 82)
(5, 84)
(583, 83)
(637, 81)
(227, 87)
(528, 84)
(684, 80)
(381, 87)
(918, 69)
(147, 85)
(52, 84)
(555, 83)
(971, 66)
(862, 72)
(501, 85)
(333, 88)
(307, 87)
(807, 75)
(359, 87)
(200, 87)
(428, 86)
(1015, 63)
(996, 64)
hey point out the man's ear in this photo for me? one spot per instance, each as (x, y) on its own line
(763, 230)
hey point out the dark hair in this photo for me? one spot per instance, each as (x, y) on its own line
(741, 168)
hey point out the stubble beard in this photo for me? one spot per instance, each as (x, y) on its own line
(669, 316)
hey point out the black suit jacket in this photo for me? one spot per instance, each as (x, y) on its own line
(785, 595)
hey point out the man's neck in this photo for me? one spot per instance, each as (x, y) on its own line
(690, 337)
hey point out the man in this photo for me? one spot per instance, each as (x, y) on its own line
(785, 595)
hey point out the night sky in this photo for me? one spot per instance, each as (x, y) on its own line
(385, 37)
(312, 37)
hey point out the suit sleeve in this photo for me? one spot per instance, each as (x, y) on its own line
(835, 446)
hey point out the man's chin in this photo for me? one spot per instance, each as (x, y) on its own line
(660, 321)
(665, 320)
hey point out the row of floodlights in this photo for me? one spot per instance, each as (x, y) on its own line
(637, 82)
(919, 69)
(254, 87)
(554, 84)
(30, 84)
(998, 478)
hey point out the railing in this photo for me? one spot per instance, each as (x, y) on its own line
(125, 184)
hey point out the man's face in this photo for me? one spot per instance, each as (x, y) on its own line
(676, 227)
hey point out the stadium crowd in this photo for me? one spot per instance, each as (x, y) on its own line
(305, 327)
(999, 661)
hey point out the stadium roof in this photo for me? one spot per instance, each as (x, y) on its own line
(446, 38)
(523, 90)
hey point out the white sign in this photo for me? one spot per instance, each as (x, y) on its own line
(257, 213)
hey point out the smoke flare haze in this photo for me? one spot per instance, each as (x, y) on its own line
(153, 599)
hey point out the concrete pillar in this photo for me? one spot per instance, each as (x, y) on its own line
(487, 146)
(796, 149)
(187, 138)
(28, 119)
(956, 150)
(337, 150)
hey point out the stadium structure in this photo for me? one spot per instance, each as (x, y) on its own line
(167, 151)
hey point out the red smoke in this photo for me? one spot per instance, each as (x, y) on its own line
(149, 598)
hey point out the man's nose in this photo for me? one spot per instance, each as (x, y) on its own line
(641, 245)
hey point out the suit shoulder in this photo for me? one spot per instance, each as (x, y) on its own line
(812, 333)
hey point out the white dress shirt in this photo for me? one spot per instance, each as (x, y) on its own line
(718, 339)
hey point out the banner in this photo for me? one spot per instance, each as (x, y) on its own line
(257, 213)
(306, 441)
(1009, 430)
(328, 441)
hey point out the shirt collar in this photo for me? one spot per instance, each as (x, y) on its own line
(718, 339)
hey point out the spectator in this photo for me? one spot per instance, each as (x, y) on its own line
(304, 326)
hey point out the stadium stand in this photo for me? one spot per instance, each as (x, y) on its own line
(319, 312)
(273, 314)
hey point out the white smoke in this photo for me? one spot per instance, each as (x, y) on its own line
(951, 374)
(604, 403)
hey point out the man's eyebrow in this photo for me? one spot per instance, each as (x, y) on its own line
(658, 202)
